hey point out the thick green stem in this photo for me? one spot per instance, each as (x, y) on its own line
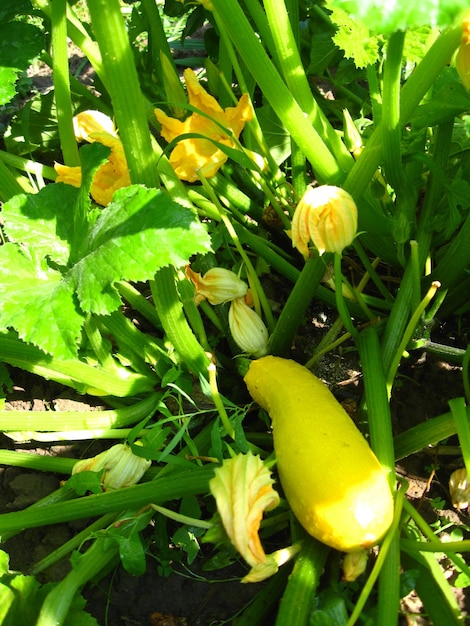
(73, 373)
(123, 85)
(57, 604)
(158, 491)
(170, 311)
(296, 305)
(376, 400)
(292, 69)
(62, 94)
(308, 138)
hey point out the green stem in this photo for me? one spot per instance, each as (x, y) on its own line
(62, 93)
(399, 315)
(39, 462)
(72, 544)
(170, 487)
(296, 305)
(58, 601)
(276, 92)
(413, 91)
(170, 312)
(376, 400)
(459, 413)
(340, 300)
(297, 600)
(123, 85)
(391, 130)
(19, 420)
(407, 334)
(296, 80)
(73, 373)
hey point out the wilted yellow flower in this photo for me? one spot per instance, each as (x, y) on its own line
(354, 564)
(327, 215)
(218, 285)
(462, 59)
(121, 466)
(242, 488)
(459, 487)
(199, 153)
(96, 126)
(247, 328)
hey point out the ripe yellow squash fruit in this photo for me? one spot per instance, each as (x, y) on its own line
(332, 480)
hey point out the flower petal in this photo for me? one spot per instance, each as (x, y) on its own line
(242, 488)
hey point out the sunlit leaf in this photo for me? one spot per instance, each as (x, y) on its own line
(387, 17)
(141, 231)
(38, 303)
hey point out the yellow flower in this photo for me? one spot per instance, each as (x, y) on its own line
(96, 126)
(218, 285)
(459, 488)
(199, 153)
(121, 466)
(327, 215)
(247, 328)
(462, 60)
(242, 488)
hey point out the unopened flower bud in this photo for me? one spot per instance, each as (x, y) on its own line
(247, 328)
(218, 285)
(462, 59)
(327, 215)
(354, 565)
(459, 487)
(121, 466)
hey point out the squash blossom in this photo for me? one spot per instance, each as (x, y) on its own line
(247, 328)
(459, 488)
(327, 215)
(242, 488)
(217, 124)
(121, 466)
(218, 285)
(96, 126)
(462, 59)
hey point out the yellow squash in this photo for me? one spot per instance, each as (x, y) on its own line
(332, 480)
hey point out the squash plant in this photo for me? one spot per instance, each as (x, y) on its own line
(98, 298)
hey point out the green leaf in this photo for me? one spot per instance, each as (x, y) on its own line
(354, 38)
(446, 103)
(141, 231)
(43, 220)
(20, 44)
(388, 17)
(37, 302)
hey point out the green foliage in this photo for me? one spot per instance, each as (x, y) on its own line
(20, 44)
(97, 298)
(385, 18)
(47, 298)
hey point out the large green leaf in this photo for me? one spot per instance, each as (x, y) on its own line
(38, 302)
(141, 231)
(386, 17)
(43, 220)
